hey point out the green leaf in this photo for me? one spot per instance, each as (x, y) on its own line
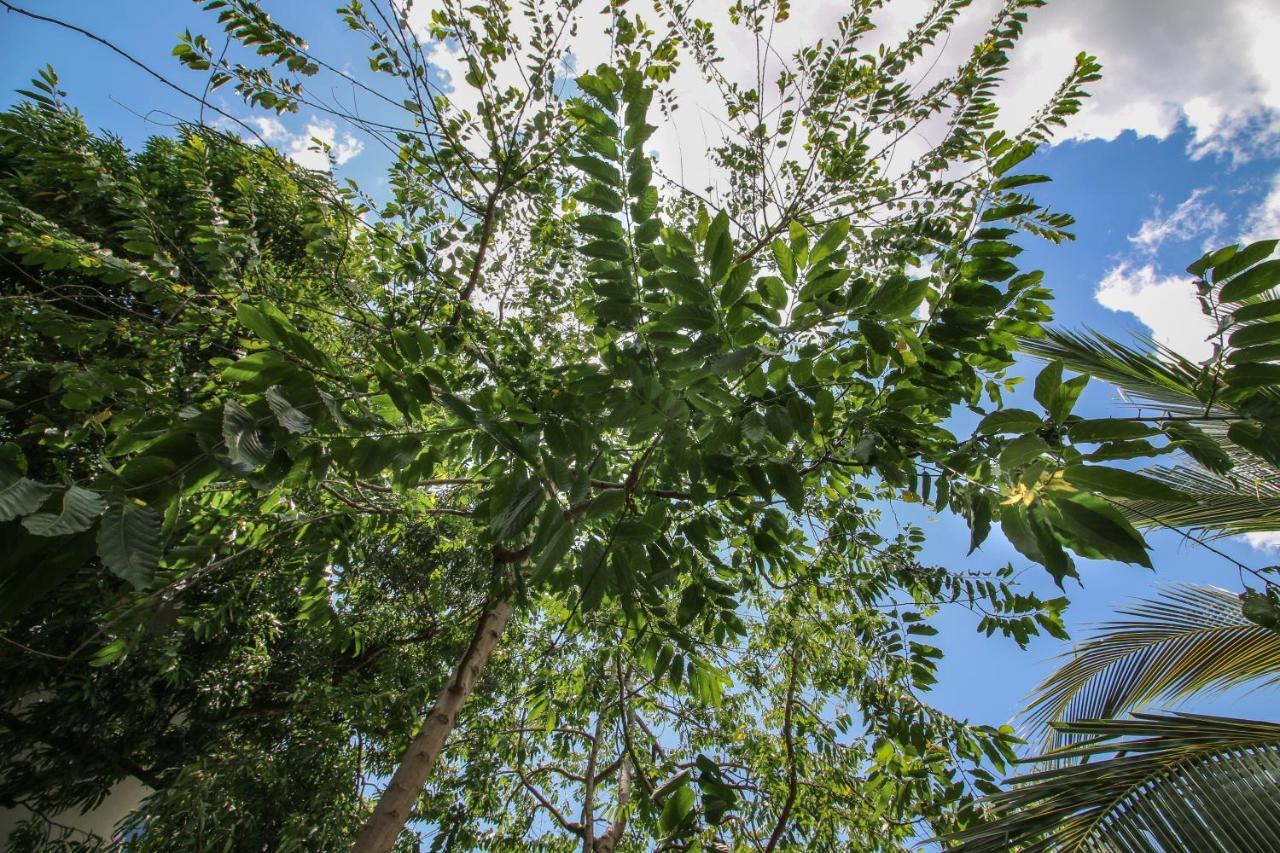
(876, 336)
(718, 248)
(552, 541)
(1209, 260)
(605, 504)
(1016, 421)
(289, 417)
(598, 89)
(247, 446)
(129, 541)
(1261, 333)
(1088, 523)
(1243, 259)
(772, 290)
(1257, 311)
(598, 169)
(1016, 155)
(1047, 382)
(600, 226)
(1122, 484)
(830, 241)
(677, 807)
(898, 296)
(1109, 429)
(521, 506)
(1022, 450)
(598, 195)
(20, 496)
(788, 483)
(1198, 445)
(1251, 282)
(259, 323)
(785, 260)
(612, 249)
(1253, 375)
(1258, 438)
(80, 508)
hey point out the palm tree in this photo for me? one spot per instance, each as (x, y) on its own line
(1171, 781)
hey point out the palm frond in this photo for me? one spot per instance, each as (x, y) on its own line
(1246, 500)
(1155, 375)
(1186, 639)
(1170, 783)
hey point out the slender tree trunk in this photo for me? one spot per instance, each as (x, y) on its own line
(383, 827)
(609, 841)
(589, 790)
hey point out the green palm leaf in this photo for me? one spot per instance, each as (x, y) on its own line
(1186, 639)
(1153, 375)
(1168, 783)
(1247, 500)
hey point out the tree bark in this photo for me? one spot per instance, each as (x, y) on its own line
(609, 841)
(392, 811)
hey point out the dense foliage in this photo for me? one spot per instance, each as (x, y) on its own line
(594, 459)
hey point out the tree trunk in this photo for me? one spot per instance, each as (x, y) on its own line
(609, 841)
(392, 812)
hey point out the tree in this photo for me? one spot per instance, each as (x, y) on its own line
(1178, 781)
(645, 425)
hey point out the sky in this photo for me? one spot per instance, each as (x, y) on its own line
(1178, 151)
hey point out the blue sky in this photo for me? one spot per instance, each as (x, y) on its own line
(1180, 148)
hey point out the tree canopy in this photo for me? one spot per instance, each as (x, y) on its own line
(539, 501)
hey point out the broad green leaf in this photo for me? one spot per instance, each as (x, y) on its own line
(1261, 333)
(598, 169)
(598, 195)
(1109, 429)
(1122, 484)
(599, 226)
(785, 260)
(20, 496)
(248, 447)
(80, 508)
(1198, 445)
(605, 504)
(677, 807)
(1251, 282)
(1253, 375)
(129, 541)
(1257, 311)
(259, 323)
(1015, 421)
(898, 296)
(1022, 450)
(1088, 523)
(522, 505)
(773, 290)
(1242, 260)
(609, 250)
(831, 240)
(788, 483)
(289, 417)
(1047, 383)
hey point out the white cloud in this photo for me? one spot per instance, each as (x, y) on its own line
(1269, 541)
(269, 127)
(1214, 66)
(1166, 305)
(308, 149)
(1192, 218)
(1263, 222)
